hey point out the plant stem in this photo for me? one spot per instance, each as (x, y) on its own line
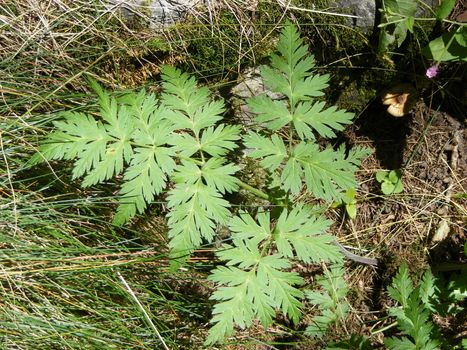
(384, 328)
(253, 190)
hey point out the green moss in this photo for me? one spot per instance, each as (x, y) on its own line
(228, 41)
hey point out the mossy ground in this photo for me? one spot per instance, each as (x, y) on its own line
(60, 257)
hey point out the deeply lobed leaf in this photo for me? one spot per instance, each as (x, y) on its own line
(290, 73)
(271, 151)
(253, 291)
(414, 316)
(401, 286)
(301, 235)
(331, 301)
(326, 173)
(190, 106)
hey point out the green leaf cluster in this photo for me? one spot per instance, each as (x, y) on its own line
(398, 18)
(451, 46)
(349, 202)
(175, 146)
(414, 313)
(151, 141)
(298, 163)
(391, 181)
(257, 280)
(330, 301)
(203, 174)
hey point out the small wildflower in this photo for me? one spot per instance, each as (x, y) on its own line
(432, 72)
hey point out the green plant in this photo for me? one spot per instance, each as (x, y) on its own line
(451, 294)
(175, 145)
(355, 342)
(331, 301)
(391, 181)
(399, 17)
(414, 313)
(349, 202)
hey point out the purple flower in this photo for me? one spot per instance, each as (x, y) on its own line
(432, 72)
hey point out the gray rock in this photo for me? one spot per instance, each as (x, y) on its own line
(251, 85)
(170, 11)
(159, 12)
(364, 10)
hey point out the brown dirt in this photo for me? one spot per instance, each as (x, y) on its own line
(430, 149)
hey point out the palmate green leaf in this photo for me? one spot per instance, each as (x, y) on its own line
(271, 151)
(245, 254)
(150, 165)
(331, 300)
(78, 136)
(220, 176)
(280, 285)
(188, 172)
(257, 292)
(290, 73)
(133, 131)
(190, 106)
(326, 173)
(235, 308)
(214, 172)
(219, 141)
(145, 177)
(401, 286)
(300, 234)
(69, 143)
(262, 303)
(261, 280)
(229, 276)
(244, 227)
(216, 142)
(101, 148)
(144, 106)
(185, 144)
(308, 117)
(273, 114)
(118, 151)
(200, 203)
(181, 91)
(196, 209)
(58, 145)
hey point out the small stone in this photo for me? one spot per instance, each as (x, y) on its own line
(441, 232)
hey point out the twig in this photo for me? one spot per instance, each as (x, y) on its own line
(355, 257)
